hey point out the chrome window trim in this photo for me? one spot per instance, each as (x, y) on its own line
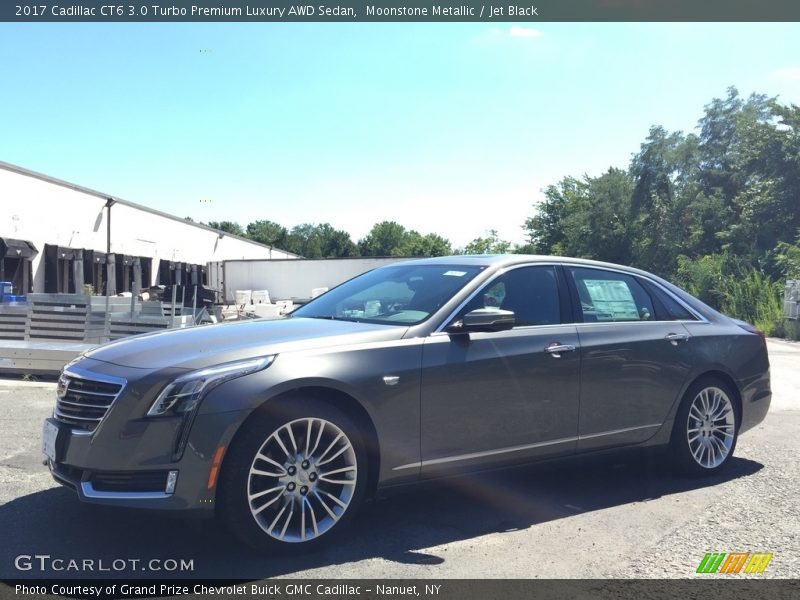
(498, 273)
(517, 328)
(566, 265)
(485, 453)
(630, 322)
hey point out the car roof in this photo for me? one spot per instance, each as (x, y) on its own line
(501, 260)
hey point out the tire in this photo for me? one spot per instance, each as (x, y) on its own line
(294, 477)
(706, 428)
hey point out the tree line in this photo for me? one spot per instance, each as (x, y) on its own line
(310, 240)
(387, 238)
(717, 210)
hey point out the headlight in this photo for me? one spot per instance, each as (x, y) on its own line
(184, 393)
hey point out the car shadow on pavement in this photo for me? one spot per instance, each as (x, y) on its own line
(399, 528)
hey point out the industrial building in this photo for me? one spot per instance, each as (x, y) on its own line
(58, 237)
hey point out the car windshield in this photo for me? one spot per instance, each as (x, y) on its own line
(395, 295)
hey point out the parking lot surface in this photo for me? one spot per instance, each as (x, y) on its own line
(613, 517)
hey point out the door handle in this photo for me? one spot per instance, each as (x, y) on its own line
(555, 349)
(674, 338)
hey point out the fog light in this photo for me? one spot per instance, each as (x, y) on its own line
(172, 479)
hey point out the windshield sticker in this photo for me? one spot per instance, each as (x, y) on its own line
(455, 273)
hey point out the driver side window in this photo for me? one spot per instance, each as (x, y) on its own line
(531, 293)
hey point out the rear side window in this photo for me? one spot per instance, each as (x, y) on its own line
(606, 296)
(669, 309)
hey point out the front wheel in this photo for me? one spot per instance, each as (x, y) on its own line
(293, 478)
(706, 428)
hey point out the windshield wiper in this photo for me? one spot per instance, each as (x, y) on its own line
(332, 318)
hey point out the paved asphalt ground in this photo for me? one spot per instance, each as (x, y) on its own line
(618, 517)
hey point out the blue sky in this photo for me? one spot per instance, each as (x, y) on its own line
(450, 128)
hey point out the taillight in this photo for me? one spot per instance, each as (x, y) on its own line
(756, 330)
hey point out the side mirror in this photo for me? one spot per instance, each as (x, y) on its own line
(484, 319)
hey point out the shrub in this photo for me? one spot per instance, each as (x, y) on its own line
(734, 287)
(788, 329)
(753, 297)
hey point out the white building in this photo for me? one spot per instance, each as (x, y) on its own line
(56, 236)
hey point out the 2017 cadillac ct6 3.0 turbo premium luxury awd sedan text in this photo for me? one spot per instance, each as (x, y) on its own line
(413, 371)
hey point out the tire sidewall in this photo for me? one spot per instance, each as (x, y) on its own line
(233, 505)
(679, 444)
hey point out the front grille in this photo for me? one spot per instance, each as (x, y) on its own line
(82, 403)
(129, 481)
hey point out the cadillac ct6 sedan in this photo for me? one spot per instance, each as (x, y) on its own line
(413, 371)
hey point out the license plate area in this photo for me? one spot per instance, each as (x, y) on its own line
(50, 440)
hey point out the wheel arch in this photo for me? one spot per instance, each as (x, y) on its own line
(341, 400)
(714, 373)
(684, 457)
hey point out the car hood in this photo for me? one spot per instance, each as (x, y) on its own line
(199, 347)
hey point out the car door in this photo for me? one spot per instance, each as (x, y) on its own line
(634, 362)
(506, 396)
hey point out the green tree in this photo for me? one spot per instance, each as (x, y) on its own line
(304, 239)
(319, 241)
(227, 227)
(659, 199)
(545, 229)
(587, 218)
(415, 244)
(336, 243)
(598, 223)
(384, 239)
(717, 210)
(751, 165)
(268, 232)
(490, 244)
(788, 258)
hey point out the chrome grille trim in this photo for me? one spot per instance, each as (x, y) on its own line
(84, 398)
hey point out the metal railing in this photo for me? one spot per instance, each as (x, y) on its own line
(88, 319)
(791, 299)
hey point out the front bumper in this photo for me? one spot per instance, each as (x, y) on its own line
(134, 466)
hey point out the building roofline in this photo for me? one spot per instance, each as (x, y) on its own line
(84, 190)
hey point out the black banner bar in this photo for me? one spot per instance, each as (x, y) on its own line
(371, 11)
(734, 587)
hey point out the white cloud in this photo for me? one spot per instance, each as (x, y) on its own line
(526, 32)
(787, 74)
(497, 35)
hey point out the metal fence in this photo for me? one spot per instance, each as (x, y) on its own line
(43, 334)
(88, 319)
(791, 300)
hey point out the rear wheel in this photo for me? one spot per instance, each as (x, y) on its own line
(295, 478)
(706, 428)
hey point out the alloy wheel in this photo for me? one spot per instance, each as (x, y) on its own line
(302, 480)
(711, 427)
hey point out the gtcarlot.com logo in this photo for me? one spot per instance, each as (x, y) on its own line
(734, 562)
(48, 563)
